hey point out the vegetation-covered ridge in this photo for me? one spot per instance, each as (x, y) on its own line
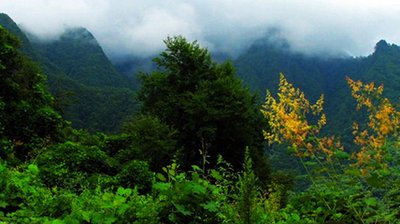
(86, 86)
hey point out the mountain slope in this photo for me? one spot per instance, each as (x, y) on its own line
(11, 26)
(261, 64)
(88, 90)
(78, 54)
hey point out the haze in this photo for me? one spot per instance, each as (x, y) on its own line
(133, 27)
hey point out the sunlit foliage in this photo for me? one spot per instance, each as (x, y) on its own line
(288, 117)
(383, 122)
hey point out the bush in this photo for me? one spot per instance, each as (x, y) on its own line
(70, 165)
(136, 174)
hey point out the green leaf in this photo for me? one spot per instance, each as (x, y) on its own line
(384, 172)
(211, 206)
(172, 218)
(195, 177)
(161, 177)
(162, 186)
(371, 201)
(295, 217)
(215, 174)
(3, 204)
(337, 215)
(319, 210)
(196, 168)
(197, 188)
(86, 216)
(341, 154)
(182, 209)
(124, 191)
(33, 169)
(120, 191)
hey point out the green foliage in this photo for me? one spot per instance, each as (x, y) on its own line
(74, 166)
(28, 120)
(205, 102)
(123, 206)
(94, 108)
(248, 193)
(90, 92)
(341, 202)
(135, 173)
(150, 140)
(23, 199)
(189, 198)
(192, 197)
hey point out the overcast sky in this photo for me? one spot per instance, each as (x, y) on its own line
(138, 27)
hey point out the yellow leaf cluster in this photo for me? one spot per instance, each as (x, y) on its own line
(383, 121)
(287, 116)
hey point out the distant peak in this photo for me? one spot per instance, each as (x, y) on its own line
(382, 44)
(78, 33)
(383, 47)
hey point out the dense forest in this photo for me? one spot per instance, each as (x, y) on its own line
(192, 143)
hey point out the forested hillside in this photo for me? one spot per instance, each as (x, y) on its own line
(77, 53)
(89, 91)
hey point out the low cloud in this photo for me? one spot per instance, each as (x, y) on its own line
(133, 27)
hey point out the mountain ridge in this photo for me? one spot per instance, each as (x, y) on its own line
(94, 106)
(80, 56)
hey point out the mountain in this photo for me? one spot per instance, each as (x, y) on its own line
(261, 64)
(89, 90)
(78, 54)
(383, 66)
(130, 66)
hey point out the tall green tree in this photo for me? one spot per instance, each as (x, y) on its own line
(206, 103)
(28, 119)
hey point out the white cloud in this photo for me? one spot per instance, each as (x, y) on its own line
(138, 27)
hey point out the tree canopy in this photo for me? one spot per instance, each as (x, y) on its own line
(28, 119)
(205, 102)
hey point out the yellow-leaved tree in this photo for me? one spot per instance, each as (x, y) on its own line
(382, 126)
(288, 116)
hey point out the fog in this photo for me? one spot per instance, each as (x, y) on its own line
(133, 27)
